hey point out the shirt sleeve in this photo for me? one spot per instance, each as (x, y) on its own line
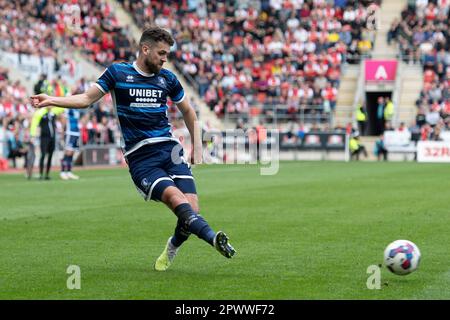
(37, 116)
(58, 110)
(176, 91)
(106, 81)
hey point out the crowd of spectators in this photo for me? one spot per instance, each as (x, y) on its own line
(97, 124)
(13, 96)
(247, 57)
(54, 29)
(51, 29)
(14, 114)
(423, 36)
(44, 27)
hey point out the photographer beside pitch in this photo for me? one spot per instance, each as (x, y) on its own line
(154, 156)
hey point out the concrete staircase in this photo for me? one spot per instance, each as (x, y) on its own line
(389, 11)
(90, 69)
(346, 95)
(410, 81)
(411, 84)
(15, 74)
(411, 76)
(205, 114)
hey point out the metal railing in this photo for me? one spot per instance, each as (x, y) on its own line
(279, 114)
(186, 75)
(397, 93)
(359, 94)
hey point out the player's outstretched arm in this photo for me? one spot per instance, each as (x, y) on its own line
(78, 101)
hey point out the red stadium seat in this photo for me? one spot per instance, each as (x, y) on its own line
(255, 111)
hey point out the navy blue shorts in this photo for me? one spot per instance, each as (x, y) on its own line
(71, 142)
(155, 167)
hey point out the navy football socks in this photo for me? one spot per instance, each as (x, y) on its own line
(195, 223)
(180, 235)
(69, 163)
(66, 163)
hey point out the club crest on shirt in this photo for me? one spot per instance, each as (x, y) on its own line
(162, 81)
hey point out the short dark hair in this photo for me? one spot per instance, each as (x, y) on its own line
(156, 34)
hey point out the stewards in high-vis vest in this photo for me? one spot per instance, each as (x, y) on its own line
(45, 119)
(388, 110)
(361, 118)
(356, 148)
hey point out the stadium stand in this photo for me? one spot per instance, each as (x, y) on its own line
(268, 62)
(57, 30)
(43, 28)
(278, 60)
(422, 35)
(271, 60)
(98, 124)
(14, 115)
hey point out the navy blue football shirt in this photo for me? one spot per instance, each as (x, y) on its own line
(140, 101)
(73, 116)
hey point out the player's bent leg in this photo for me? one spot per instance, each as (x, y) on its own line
(195, 223)
(185, 183)
(221, 242)
(173, 197)
(181, 232)
(192, 198)
(163, 189)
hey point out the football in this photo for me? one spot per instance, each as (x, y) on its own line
(402, 257)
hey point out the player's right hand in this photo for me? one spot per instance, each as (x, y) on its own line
(40, 100)
(196, 155)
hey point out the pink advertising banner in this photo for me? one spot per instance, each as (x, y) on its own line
(380, 70)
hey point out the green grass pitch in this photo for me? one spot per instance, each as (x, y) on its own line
(308, 232)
